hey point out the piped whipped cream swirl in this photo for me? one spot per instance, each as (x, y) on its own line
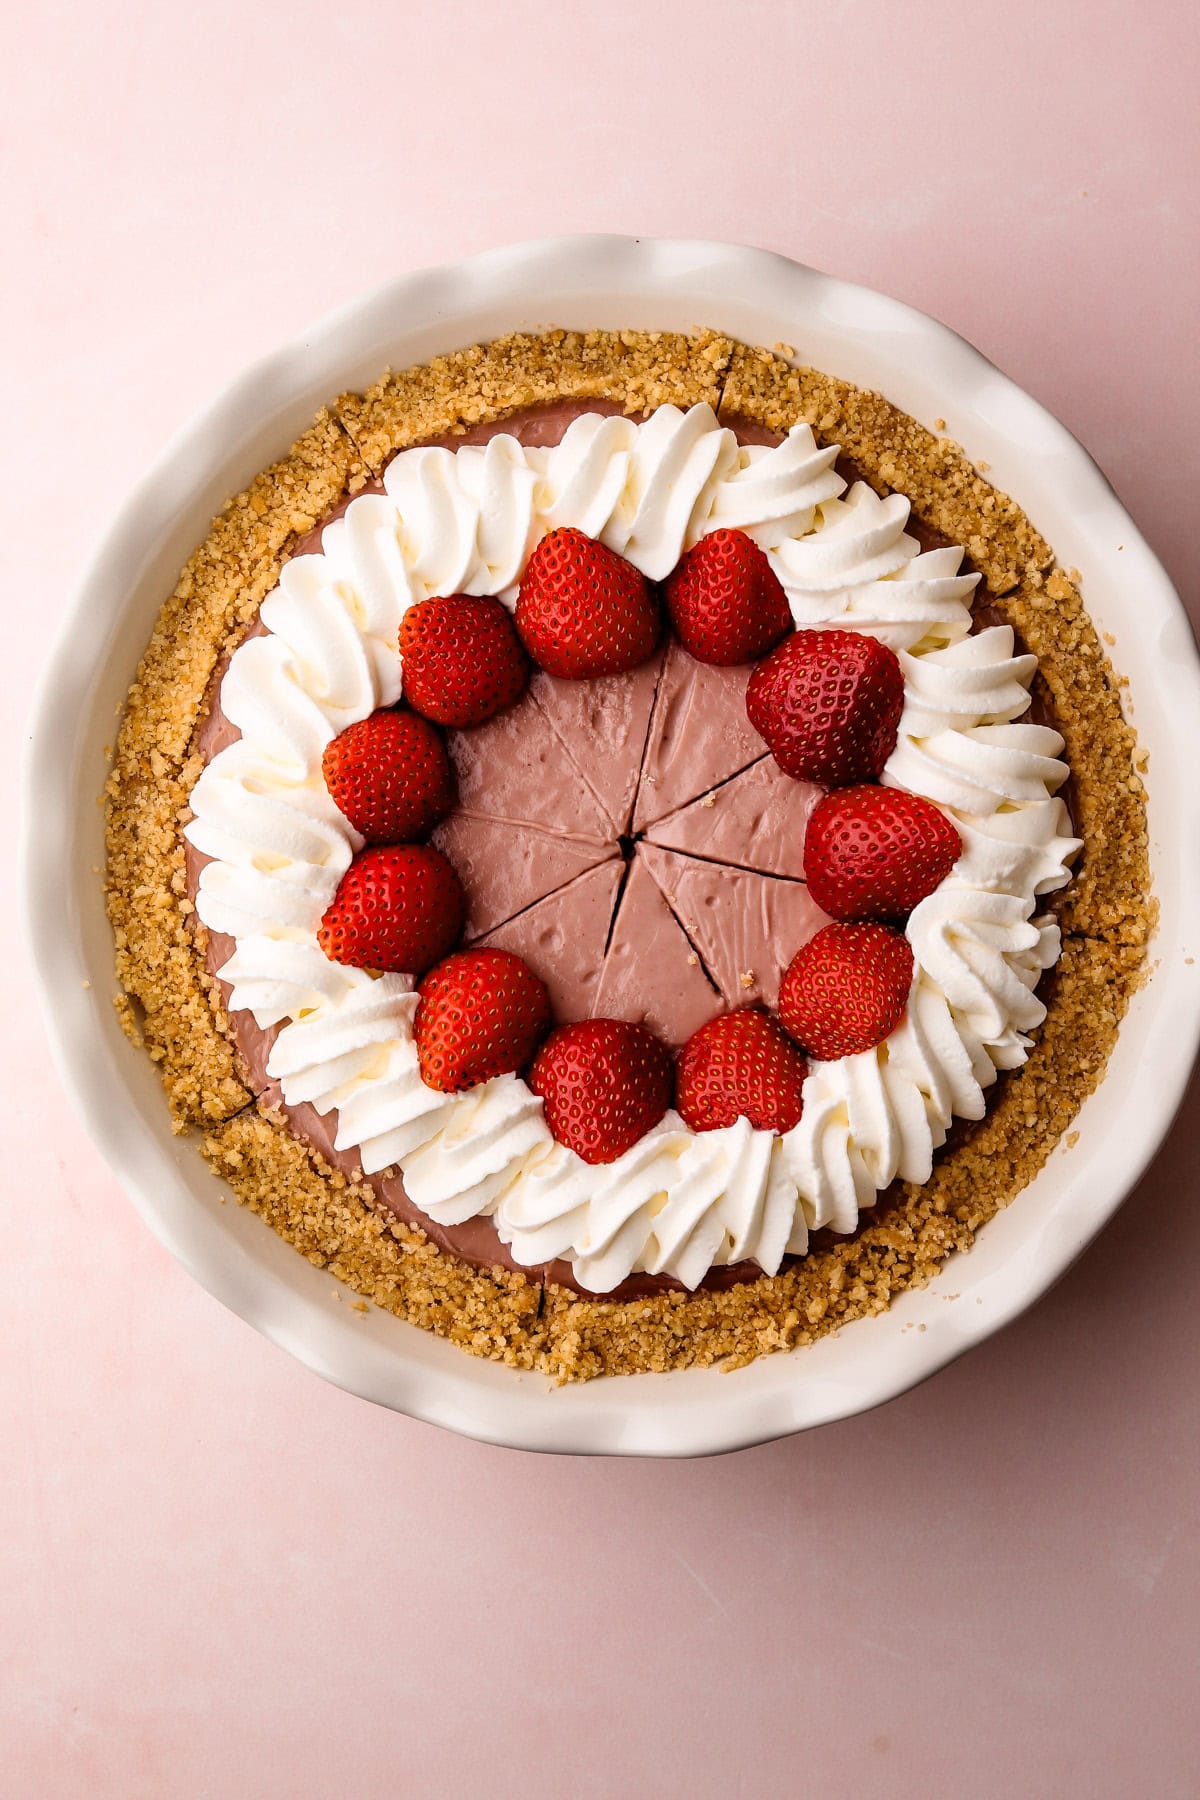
(678, 1203)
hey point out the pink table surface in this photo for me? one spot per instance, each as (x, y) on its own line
(220, 1577)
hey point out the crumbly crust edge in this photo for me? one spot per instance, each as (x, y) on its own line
(170, 1003)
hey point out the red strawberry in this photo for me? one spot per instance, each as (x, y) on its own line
(583, 610)
(875, 852)
(604, 1083)
(390, 775)
(462, 659)
(846, 989)
(481, 1013)
(828, 704)
(740, 1065)
(397, 907)
(725, 600)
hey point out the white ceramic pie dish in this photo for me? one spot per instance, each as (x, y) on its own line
(581, 282)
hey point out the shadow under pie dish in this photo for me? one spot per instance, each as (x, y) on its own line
(658, 877)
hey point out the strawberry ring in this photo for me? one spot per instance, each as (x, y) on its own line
(676, 1201)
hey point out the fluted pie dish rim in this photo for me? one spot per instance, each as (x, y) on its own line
(626, 283)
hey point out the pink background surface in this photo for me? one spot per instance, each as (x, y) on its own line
(220, 1577)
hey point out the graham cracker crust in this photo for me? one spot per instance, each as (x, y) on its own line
(169, 1003)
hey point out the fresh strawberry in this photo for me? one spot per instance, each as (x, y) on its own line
(390, 775)
(481, 1013)
(846, 989)
(742, 1065)
(725, 600)
(582, 610)
(397, 907)
(828, 704)
(875, 852)
(604, 1084)
(462, 659)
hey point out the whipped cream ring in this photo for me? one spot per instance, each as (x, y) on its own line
(679, 1202)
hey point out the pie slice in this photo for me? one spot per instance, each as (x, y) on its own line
(652, 974)
(513, 768)
(699, 735)
(747, 927)
(756, 821)
(563, 938)
(603, 726)
(505, 868)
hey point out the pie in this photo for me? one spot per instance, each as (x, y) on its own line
(644, 844)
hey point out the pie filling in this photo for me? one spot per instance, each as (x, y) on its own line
(632, 841)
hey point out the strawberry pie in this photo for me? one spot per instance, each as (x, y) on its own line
(628, 850)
